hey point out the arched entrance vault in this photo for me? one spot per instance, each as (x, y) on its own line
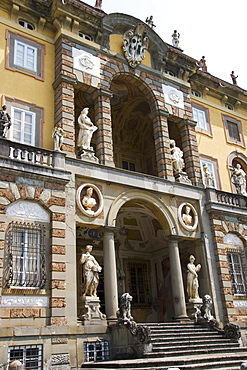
(154, 204)
(143, 228)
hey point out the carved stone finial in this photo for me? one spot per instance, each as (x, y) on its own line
(135, 43)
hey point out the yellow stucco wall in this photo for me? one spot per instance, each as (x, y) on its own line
(116, 44)
(216, 146)
(20, 86)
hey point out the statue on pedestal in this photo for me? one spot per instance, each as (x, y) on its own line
(192, 280)
(57, 135)
(86, 130)
(239, 179)
(202, 64)
(234, 78)
(177, 157)
(98, 4)
(5, 121)
(91, 268)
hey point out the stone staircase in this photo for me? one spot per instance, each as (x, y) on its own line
(184, 346)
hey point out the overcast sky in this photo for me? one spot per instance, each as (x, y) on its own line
(214, 28)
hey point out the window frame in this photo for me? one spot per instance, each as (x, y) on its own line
(207, 126)
(23, 124)
(25, 255)
(25, 56)
(25, 358)
(226, 118)
(13, 38)
(37, 137)
(234, 273)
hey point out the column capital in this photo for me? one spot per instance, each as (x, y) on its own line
(102, 92)
(109, 229)
(63, 78)
(159, 112)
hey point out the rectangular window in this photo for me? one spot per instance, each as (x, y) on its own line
(200, 117)
(233, 130)
(138, 283)
(25, 255)
(23, 126)
(96, 351)
(237, 274)
(25, 56)
(128, 166)
(30, 356)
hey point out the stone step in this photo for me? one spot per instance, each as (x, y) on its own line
(196, 351)
(224, 362)
(190, 340)
(226, 346)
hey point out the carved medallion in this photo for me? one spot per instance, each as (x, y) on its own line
(187, 216)
(86, 62)
(89, 200)
(135, 43)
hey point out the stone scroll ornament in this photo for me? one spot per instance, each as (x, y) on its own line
(135, 43)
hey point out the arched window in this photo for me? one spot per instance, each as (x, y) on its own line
(26, 24)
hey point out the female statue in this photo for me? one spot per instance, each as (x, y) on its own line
(192, 279)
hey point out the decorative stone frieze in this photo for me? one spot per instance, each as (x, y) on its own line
(24, 301)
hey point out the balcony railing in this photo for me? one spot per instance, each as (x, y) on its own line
(31, 154)
(227, 199)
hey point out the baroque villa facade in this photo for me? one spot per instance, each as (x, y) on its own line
(57, 59)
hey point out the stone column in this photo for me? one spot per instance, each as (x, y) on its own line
(110, 275)
(190, 150)
(104, 142)
(177, 281)
(162, 144)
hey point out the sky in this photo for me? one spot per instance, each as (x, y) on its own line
(213, 28)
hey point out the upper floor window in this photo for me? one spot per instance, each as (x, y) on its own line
(25, 55)
(229, 106)
(25, 256)
(170, 73)
(27, 121)
(26, 25)
(195, 93)
(233, 130)
(85, 36)
(128, 166)
(23, 126)
(201, 116)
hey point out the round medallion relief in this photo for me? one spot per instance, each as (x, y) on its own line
(89, 200)
(187, 216)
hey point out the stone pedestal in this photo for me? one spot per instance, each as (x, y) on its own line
(90, 311)
(182, 177)
(193, 307)
(88, 155)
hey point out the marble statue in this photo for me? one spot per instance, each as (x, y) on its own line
(177, 157)
(57, 135)
(86, 130)
(150, 21)
(98, 4)
(192, 279)
(239, 179)
(88, 201)
(135, 43)
(5, 121)
(186, 217)
(207, 176)
(234, 78)
(202, 64)
(91, 270)
(124, 313)
(175, 38)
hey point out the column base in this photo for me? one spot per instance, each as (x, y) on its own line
(182, 318)
(182, 177)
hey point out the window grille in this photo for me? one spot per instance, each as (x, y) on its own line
(30, 356)
(96, 351)
(25, 256)
(237, 273)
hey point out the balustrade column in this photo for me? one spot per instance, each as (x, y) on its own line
(110, 275)
(104, 142)
(162, 144)
(177, 281)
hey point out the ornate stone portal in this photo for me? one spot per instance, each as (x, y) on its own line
(135, 43)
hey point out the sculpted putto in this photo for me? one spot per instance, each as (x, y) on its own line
(91, 270)
(86, 130)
